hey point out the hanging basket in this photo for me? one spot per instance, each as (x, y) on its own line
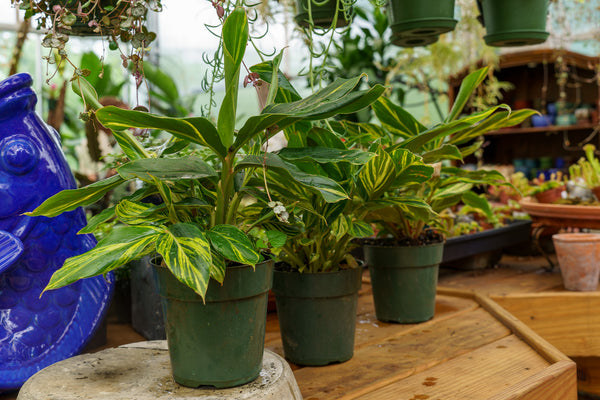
(323, 13)
(514, 22)
(419, 23)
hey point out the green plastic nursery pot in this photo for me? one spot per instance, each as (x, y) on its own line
(404, 281)
(219, 343)
(425, 19)
(317, 314)
(322, 12)
(514, 22)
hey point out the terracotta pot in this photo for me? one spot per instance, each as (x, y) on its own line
(579, 259)
(596, 192)
(550, 196)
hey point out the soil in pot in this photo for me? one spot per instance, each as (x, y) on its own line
(317, 314)
(219, 343)
(579, 259)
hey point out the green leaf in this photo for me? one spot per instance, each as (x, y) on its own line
(70, 199)
(137, 213)
(276, 238)
(467, 87)
(130, 145)
(336, 98)
(233, 244)
(120, 246)
(197, 130)
(170, 169)
(98, 219)
(479, 202)
(452, 190)
(330, 190)
(285, 91)
(360, 229)
(325, 155)
(410, 168)
(445, 152)
(498, 120)
(186, 252)
(86, 91)
(396, 119)
(235, 39)
(376, 176)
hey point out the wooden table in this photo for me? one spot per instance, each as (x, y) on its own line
(471, 349)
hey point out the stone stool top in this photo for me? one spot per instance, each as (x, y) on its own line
(142, 371)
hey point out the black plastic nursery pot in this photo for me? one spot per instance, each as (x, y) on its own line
(418, 23)
(219, 343)
(317, 314)
(322, 11)
(514, 22)
(404, 281)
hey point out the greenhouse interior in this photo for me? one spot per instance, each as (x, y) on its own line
(308, 199)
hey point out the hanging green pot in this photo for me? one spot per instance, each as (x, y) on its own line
(418, 23)
(514, 22)
(317, 314)
(322, 11)
(219, 343)
(404, 281)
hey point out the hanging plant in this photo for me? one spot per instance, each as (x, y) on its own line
(116, 21)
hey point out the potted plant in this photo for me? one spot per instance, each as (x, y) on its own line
(587, 170)
(514, 22)
(404, 265)
(317, 281)
(113, 20)
(420, 23)
(205, 252)
(548, 190)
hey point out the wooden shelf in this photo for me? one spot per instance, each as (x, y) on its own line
(471, 349)
(544, 129)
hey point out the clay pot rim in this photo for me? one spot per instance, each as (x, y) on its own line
(577, 237)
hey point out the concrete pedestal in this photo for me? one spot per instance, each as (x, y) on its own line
(142, 371)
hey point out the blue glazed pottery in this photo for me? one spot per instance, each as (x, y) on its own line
(36, 331)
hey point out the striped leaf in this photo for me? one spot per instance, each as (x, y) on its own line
(410, 168)
(336, 98)
(233, 244)
(217, 272)
(170, 169)
(396, 119)
(360, 229)
(186, 252)
(325, 155)
(68, 200)
(120, 246)
(197, 130)
(479, 202)
(467, 87)
(445, 152)
(137, 213)
(330, 190)
(376, 176)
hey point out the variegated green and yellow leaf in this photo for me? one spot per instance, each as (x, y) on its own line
(376, 176)
(410, 168)
(120, 246)
(360, 229)
(68, 200)
(233, 244)
(186, 252)
(137, 213)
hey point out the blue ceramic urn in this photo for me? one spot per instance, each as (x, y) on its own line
(38, 330)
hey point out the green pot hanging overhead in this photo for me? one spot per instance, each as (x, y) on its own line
(322, 12)
(419, 23)
(511, 23)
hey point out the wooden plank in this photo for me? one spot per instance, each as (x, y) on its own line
(503, 281)
(557, 382)
(479, 374)
(568, 320)
(400, 356)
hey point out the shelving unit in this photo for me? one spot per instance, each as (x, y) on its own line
(534, 76)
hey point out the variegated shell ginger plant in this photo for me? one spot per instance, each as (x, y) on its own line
(196, 227)
(449, 141)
